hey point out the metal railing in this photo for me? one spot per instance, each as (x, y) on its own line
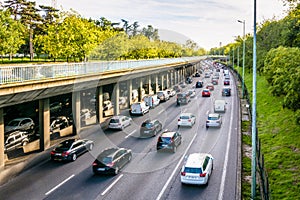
(22, 73)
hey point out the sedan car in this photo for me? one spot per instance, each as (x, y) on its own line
(210, 86)
(213, 120)
(199, 84)
(150, 128)
(70, 149)
(226, 81)
(205, 93)
(119, 122)
(111, 160)
(226, 91)
(186, 119)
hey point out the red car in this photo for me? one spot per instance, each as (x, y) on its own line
(226, 82)
(210, 86)
(205, 93)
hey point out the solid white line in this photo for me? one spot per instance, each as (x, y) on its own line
(59, 185)
(161, 112)
(111, 185)
(130, 134)
(221, 191)
(176, 168)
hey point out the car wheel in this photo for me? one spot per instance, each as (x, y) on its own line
(174, 149)
(117, 170)
(122, 128)
(74, 157)
(24, 143)
(207, 127)
(91, 147)
(129, 158)
(31, 127)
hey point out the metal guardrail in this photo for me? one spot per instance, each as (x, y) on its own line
(22, 73)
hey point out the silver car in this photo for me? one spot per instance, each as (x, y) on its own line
(214, 120)
(23, 124)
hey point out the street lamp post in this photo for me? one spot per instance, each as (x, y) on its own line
(243, 73)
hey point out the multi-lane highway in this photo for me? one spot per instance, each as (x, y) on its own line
(150, 175)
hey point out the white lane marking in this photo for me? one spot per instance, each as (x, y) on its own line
(160, 112)
(226, 158)
(130, 134)
(207, 112)
(176, 168)
(59, 185)
(111, 185)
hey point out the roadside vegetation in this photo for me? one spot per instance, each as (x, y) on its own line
(38, 31)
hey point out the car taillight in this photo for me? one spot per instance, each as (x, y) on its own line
(183, 173)
(52, 152)
(65, 154)
(203, 175)
(119, 124)
(189, 120)
(95, 163)
(111, 164)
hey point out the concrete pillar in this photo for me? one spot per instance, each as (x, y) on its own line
(100, 103)
(167, 78)
(2, 162)
(76, 112)
(44, 123)
(162, 81)
(149, 85)
(140, 89)
(156, 83)
(116, 96)
(129, 95)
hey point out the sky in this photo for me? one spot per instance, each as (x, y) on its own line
(209, 23)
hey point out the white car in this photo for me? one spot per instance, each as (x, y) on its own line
(139, 108)
(192, 93)
(119, 122)
(213, 120)
(197, 169)
(186, 119)
(171, 92)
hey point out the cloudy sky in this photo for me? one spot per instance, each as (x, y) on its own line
(209, 23)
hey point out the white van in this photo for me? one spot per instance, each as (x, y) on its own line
(220, 106)
(151, 100)
(139, 108)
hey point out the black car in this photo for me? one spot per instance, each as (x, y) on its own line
(197, 74)
(169, 140)
(150, 128)
(199, 84)
(226, 91)
(70, 149)
(183, 98)
(111, 160)
(189, 80)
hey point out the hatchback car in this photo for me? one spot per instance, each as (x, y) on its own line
(183, 98)
(70, 149)
(171, 92)
(226, 91)
(186, 119)
(119, 122)
(215, 81)
(152, 100)
(197, 169)
(189, 80)
(150, 128)
(111, 160)
(23, 124)
(192, 93)
(210, 86)
(226, 81)
(163, 95)
(169, 140)
(205, 93)
(199, 84)
(213, 120)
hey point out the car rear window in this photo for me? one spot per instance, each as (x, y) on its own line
(184, 117)
(147, 125)
(114, 121)
(212, 118)
(105, 160)
(193, 170)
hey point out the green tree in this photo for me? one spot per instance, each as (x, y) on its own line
(11, 34)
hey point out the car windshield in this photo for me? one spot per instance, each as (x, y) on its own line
(180, 95)
(193, 170)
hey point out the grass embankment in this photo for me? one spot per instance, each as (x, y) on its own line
(280, 142)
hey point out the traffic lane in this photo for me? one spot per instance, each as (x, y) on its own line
(215, 141)
(36, 182)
